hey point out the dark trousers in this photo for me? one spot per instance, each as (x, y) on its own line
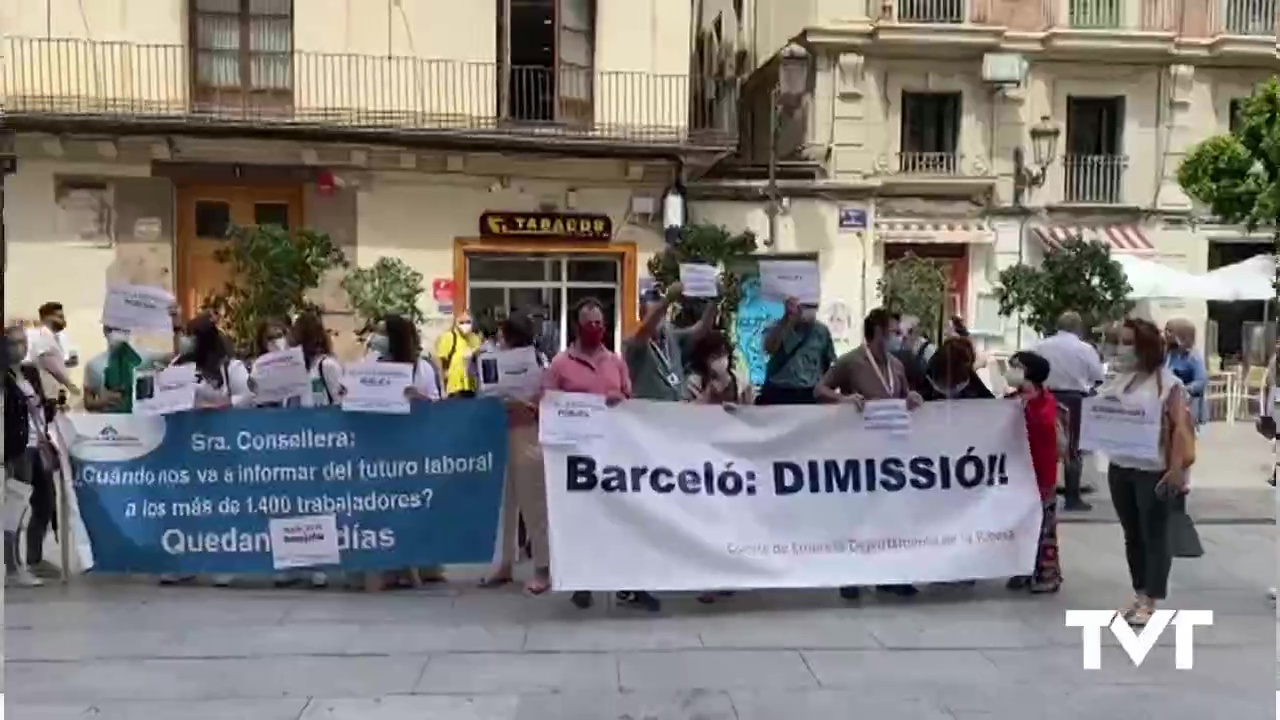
(777, 395)
(1072, 466)
(31, 470)
(1144, 517)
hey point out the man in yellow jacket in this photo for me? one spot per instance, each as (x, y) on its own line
(453, 351)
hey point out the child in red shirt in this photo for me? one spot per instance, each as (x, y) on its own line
(1027, 375)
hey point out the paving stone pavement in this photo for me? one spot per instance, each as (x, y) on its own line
(126, 650)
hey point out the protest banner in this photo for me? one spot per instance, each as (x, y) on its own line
(195, 492)
(673, 496)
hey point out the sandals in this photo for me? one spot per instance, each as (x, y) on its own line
(1141, 616)
(537, 586)
(495, 581)
(1127, 611)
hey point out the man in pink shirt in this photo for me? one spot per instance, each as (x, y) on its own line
(587, 366)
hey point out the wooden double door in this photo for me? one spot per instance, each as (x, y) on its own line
(206, 216)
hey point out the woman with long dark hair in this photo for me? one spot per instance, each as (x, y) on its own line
(712, 380)
(323, 367)
(222, 382)
(271, 335)
(403, 345)
(1144, 489)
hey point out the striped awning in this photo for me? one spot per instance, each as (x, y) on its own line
(1127, 239)
(937, 232)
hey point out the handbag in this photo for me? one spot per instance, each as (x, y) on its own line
(1184, 539)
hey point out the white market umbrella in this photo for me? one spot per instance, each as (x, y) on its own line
(1251, 279)
(1152, 280)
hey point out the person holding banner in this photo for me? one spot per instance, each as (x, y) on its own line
(588, 366)
(404, 345)
(524, 494)
(713, 382)
(801, 351)
(870, 372)
(1026, 376)
(271, 335)
(1144, 484)
(323, 366)
(222, 382)
(28, 461)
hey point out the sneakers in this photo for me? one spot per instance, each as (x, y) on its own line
(46, 570)
(22, 578)
(639, 599)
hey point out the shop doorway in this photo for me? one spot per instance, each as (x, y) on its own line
(496, 280)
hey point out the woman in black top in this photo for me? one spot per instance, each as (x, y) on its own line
(29, 458)
(950, 374)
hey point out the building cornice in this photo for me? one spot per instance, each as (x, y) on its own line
(946, 41)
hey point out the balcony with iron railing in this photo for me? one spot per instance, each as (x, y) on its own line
(1245, 18)
(157, 85)
(1156, 16)
(1094, 179)
(945, 164)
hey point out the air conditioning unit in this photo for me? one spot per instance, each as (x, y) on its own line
(1004, 68)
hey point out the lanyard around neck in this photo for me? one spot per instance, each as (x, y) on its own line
(885, 377)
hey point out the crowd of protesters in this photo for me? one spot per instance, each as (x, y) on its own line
(897, 359)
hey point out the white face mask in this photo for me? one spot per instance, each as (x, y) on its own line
(278, 344)
(117, 338)
(1015, 377)
(720, 367)
(464, 328)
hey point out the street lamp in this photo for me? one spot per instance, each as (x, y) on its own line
(1044, 150)
(795, 75)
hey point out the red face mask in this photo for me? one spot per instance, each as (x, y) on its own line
(591, 336)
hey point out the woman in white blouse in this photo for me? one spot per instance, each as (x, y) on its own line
(404, 345)
(322, 365)
(222, 382)
(1143, 489)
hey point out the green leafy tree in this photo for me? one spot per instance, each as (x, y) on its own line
(1080, 277)
(709, 245)
(272, 272)
(916, 286)
(1237, 175)
(388, 286)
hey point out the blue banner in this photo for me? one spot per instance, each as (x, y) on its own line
(193, 492)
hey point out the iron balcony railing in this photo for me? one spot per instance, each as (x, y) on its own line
(928, 163)
(129, 83)
(1256, 18)
(1096, 14)
(1094, 179)
(945, 12)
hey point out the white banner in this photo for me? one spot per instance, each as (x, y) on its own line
(671, 496)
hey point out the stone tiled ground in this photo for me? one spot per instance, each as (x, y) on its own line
(117, 651)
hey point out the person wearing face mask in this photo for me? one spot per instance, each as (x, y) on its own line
(950, 374)
(588, 366)
(801, 351)
(712, 381)
(29, 460)
(1026, 376)
(454, 350)
(1143, 489)
(524, 493)
(271, 336)
(656, 353)
(109, 376)
(46, 352)
(1185, 363)
(222, 382)
(869, 372)
(913, 349)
